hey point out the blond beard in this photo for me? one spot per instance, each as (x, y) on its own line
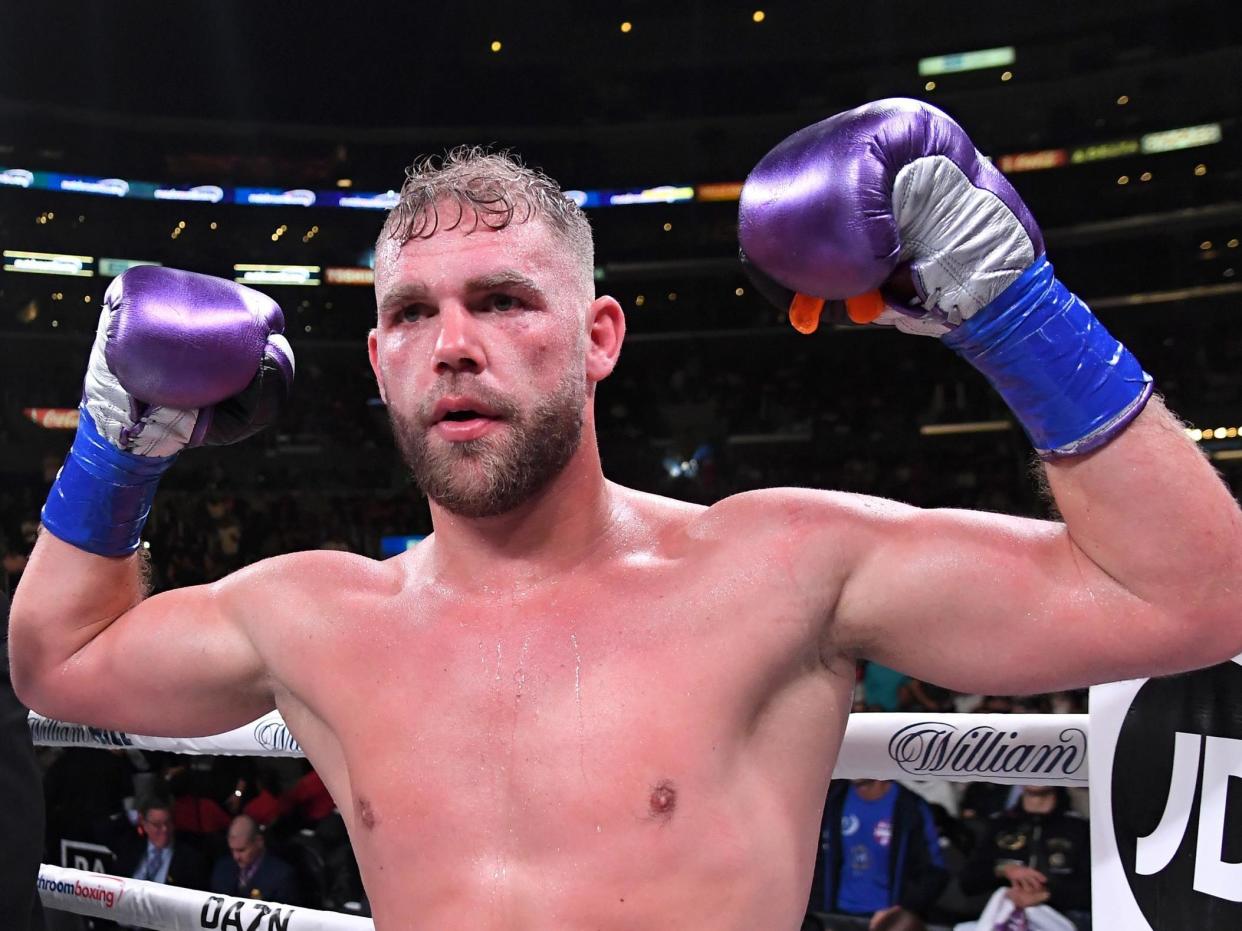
(491, 476)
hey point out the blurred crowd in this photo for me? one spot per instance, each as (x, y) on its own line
(926, 853)
(259, 829)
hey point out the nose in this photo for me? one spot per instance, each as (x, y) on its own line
(458, 345)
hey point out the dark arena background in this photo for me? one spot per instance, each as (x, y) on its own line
(263, 142)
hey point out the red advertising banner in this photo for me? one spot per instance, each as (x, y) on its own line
(53, 418)
(1032, 161)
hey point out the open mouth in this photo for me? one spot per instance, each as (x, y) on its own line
(458, 421)
(464, 415)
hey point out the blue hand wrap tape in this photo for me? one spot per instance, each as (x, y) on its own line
(1071, 384)
(102, 495)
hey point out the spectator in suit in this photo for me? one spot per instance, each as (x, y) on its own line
(250, 870)
(880, 858)
(158, 855)
(21, 815)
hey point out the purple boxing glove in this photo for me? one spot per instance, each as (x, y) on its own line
(179, 359)
(894, 196)
(182, 359)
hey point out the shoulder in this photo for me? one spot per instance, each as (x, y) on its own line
(783, 510)
(313, 574)
(809, 509)
(328, 567)
(816, 531)
(271, 598)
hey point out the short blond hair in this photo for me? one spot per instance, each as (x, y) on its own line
(492, 189)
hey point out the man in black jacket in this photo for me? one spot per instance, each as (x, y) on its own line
(879, 853)
(21, 814)
(1041, 850)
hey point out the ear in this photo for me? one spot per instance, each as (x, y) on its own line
(605, 333)
(373, 354)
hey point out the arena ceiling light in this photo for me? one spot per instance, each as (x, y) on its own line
(1206, 434)
(967, 61)
(972, 426)
(110, 268)
(1187, 137)
(48, 263)
(301, 275)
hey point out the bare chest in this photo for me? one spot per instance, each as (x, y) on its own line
(529, 711)
(492, 747)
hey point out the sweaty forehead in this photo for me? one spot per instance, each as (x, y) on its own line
(456, 255)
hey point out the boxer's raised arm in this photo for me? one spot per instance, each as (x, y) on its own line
(1141, 579)
(89, 649)
(179, 360)
(1143, 575)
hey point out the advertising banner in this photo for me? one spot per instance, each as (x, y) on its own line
(1166, 801)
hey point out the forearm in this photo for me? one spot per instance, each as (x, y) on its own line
(66, 598)
(1149, 510)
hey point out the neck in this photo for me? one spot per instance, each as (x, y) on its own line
(568, 518)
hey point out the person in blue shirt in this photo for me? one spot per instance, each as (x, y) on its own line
(879, 853)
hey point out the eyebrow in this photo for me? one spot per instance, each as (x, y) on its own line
(413, 291)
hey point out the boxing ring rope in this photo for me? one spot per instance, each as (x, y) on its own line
(171, 908)
(1016, 749)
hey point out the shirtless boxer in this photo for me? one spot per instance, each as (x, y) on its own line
(577, 706)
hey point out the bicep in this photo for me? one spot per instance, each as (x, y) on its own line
(989, 603)
(180, 663)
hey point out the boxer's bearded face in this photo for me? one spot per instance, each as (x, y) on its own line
(497, 472)
(481, 350)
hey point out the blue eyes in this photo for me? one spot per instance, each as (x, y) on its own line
(503, 302)
(500, 303)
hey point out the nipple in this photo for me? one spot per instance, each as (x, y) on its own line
(663, 800)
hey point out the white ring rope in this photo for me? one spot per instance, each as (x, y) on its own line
(1016, 749)
(171, 908)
